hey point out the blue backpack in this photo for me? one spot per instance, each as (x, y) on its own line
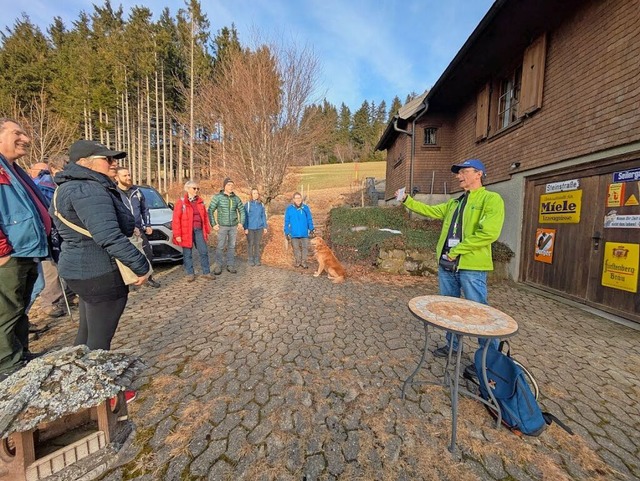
(508, 382)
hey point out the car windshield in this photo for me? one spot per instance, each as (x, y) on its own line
(153, 198)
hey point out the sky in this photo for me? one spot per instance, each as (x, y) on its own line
(367, 49)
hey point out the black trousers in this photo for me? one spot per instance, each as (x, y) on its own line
(102, 302)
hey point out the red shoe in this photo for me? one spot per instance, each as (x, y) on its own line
(129, 395)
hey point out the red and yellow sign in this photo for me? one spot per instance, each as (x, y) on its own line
(545, 240)
(615, 195)
(620, 268)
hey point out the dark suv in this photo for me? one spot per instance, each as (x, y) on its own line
(164, 250)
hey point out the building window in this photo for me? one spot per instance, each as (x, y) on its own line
(509, 98)
(430, 136)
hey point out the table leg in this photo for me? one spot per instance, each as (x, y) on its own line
(424, 353)
(486, 382)
(454, 395)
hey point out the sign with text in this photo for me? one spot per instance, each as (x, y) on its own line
(614, 221)
(560, 208)
(620, 268)
(545, 240)
(572, 184)
(627, 175)
(615, 195)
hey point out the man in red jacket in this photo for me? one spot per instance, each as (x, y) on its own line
(191, 228)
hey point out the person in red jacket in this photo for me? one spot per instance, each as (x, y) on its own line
(191, 228)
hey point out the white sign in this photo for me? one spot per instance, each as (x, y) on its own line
(562, 186)
(613, 220)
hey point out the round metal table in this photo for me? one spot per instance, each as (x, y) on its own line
(461, 318)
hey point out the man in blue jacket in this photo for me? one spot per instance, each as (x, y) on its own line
(298, 224)
(24, 227)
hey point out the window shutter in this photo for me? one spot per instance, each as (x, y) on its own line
(533, 76)
(482, 113)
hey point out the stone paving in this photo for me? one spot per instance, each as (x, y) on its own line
(274, 374)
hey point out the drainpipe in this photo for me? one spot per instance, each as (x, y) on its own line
(413, 141)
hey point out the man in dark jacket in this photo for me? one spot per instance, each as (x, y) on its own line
(134, 200)
(24, 227)
(230, 217)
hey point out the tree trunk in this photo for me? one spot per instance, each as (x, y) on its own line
(140, 139)
(158, 166)
(191, 98)
(149, 172)
(100, 124)
(86, 120)
(164, 133)
(180, 150)
(107, 130)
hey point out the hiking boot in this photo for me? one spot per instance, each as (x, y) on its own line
(251, 262)
(470, 372)
(217, 270)
(208, 276)
(232, 269)
(129, 395)
(304, 266)
(258, 263)
(191, 277)
(444, 351)
(33, 329)
(54, 311)
(153, 283)
(28, 356)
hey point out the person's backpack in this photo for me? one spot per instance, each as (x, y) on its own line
(511, 385)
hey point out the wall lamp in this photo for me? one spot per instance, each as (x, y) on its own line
(514, 166)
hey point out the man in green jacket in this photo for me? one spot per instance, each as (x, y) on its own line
(470, 224)
(230, 217)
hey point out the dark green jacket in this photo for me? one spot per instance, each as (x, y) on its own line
(230, 209)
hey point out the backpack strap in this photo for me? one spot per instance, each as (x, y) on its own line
(66, 222)
(550, 418)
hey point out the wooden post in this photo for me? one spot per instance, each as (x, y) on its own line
(15, 464)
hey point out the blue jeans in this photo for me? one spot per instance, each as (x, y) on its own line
(474, 286)
(187, 254)
(226, 238)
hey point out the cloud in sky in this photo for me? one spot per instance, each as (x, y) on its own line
(368, 49)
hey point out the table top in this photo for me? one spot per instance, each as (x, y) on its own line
(461, 316)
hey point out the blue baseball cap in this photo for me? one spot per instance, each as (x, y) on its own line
(474, 163)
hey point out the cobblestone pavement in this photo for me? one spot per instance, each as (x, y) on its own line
(274, 374)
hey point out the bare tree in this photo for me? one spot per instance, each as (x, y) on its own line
(50, 133)
(344, 152)
(261, 94)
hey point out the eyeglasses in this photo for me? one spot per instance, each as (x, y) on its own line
(111, 160)
(195, 188)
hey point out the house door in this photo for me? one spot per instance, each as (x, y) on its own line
(581, 235)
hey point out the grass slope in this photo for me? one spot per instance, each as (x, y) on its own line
(339, 175)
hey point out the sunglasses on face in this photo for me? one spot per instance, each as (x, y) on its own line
(111, 160)
(195, 188)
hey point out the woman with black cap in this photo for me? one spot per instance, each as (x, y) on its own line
(88, 199)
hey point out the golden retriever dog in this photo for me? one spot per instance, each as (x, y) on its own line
(327, 261)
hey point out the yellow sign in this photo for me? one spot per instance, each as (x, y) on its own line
(632, 200)
(545, 240)
(615, 195)
(620, 268)
(560, 208)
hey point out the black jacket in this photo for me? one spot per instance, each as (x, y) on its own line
(91, 200)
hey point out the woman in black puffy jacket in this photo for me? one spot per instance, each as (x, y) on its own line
(88, 198)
